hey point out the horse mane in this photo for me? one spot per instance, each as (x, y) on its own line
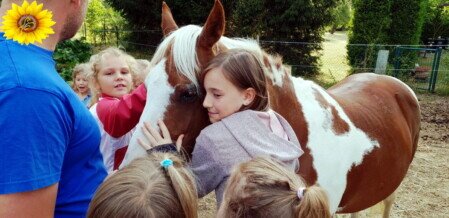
(183, 46)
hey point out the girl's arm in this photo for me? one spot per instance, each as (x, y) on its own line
(119, 116)
(206, 167)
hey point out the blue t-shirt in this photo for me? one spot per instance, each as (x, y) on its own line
(47, 135)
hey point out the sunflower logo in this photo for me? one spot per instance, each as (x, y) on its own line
(27, 23)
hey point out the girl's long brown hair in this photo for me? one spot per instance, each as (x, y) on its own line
(263, 187)
(145, 189)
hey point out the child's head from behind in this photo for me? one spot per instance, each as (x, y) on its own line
(80, 83)
(234, 81)
(145, 188)
(112, 72)
(263, 187)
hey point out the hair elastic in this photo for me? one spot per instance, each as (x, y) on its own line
(166, 163)
(300, 192)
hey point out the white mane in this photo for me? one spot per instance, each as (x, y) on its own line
(183, 42)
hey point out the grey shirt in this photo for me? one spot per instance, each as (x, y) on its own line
(236, 139)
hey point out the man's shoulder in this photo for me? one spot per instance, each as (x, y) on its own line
(27, 67)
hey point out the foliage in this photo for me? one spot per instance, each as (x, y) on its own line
(383, 22)
(145, 15)
(68, 54)
(437, 20)
(407, 18)
(407, 33)
(285, 20)
(102, 23)
(341, 15)
(370, 25)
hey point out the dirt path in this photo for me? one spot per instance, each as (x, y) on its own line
(425, 190)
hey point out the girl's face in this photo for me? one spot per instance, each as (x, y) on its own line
(81, 84)
(222, 97)
(114, 77)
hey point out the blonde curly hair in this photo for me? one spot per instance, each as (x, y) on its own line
(95, 61)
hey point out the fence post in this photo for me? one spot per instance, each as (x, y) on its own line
(397, 61)
(382, 61)
(433, 78)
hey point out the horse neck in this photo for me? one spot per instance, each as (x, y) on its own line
(283, 100)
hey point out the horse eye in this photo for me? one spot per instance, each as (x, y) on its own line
(187, 94)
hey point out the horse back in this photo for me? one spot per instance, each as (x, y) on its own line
(387, 110)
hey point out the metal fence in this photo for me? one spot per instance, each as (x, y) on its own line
(423, 67)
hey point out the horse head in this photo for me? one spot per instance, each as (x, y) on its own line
(173, 86)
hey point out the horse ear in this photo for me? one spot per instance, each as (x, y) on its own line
(168, 24)
(214, 27)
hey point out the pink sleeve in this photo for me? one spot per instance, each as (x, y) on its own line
(120, 116)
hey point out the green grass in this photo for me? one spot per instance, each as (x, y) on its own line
(333, 61)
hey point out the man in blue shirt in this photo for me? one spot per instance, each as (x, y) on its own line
(50, 163)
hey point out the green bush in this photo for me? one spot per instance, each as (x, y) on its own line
(371, 22)
(385, 22)
(68, 54)
(407, 18)
(437, 20)
(286, 21)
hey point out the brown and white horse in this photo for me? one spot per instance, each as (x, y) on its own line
(359, 136)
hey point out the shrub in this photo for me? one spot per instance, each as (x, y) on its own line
(370, 25)
(68, 54)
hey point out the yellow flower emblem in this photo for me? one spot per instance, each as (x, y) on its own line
(27, 23)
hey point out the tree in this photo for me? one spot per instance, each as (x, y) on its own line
(286, 21)
(145, 16)
(370, 26)
(436, 22)
(101, 22)
(341, 15)
(376, 23)
(407, 18)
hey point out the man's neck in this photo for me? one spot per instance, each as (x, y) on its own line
(48, 43)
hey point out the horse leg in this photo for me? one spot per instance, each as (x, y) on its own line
(388, 202)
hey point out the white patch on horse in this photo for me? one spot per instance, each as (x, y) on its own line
(275, 74)
(158, 98)
(333, 155)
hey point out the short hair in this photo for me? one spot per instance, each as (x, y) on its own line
(146, 189)
(244, 70)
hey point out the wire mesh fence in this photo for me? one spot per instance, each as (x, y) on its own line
(422, 67)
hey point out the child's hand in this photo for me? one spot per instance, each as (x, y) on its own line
(155, 138)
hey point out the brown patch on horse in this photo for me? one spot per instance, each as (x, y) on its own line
(386, 111)
(168, 24)
(212, 31)
(194, 119)
(339, 126)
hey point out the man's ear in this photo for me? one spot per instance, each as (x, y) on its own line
(77, 2)
(248, 96)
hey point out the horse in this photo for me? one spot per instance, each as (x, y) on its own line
(359, 136)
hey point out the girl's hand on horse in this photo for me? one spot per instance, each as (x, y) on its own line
(155, 138)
